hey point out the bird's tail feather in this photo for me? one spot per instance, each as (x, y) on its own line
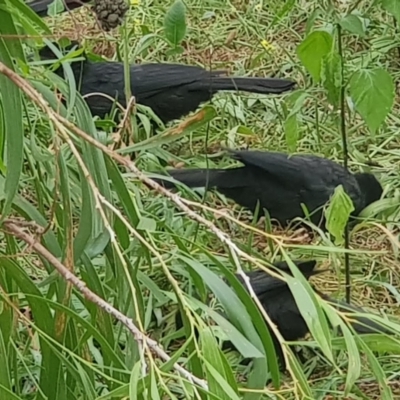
(40, 6)
(362, 325)
(251, 84)
(201, 177)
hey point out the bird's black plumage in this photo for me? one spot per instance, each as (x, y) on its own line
(170, 90)
(281, 183)
(278, 302)
(41, 6)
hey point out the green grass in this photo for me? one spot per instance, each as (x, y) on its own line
(146, 280)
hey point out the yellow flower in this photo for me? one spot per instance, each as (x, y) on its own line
(267, 45)
(135, 2)
(258, 7)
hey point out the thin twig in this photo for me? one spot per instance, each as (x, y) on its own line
(345, 158)
(93, 297)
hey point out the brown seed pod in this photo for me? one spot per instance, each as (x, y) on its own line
(110, 13)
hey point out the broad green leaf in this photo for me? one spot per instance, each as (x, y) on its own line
(312, 50)
(331, 77)
(392, 7)
(354, 24)
(175, 23)
(373, 94)
(56, 7)
(291, 133)
(147, 224)
(337, 213)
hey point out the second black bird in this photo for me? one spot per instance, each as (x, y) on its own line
(281, 183)
(170, 90)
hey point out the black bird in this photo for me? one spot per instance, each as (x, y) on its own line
(170, 90)
(41, 6)
(281, 183)
(278, 302)
(280, 305)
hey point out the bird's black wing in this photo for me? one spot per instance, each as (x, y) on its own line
(306, 179)
(151, 79)
(302, 171)
(262, 282)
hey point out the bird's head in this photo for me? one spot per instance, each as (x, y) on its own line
(370, 187)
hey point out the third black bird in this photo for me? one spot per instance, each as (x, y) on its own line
(277, 299)
(281, 183)
(278, 302)
(170, 90)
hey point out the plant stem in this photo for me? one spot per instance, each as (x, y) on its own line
(343, 132)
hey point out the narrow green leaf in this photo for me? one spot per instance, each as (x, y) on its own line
(312, 50)
(305, 390)
(224, 391)
(31, 213)
(337, 214)
(373, 94)
(379, 373)
(12, 114)
(175, 23)
(245, 316)
(29, 15)
(354, 361)
(291, 133)
(285, 10)
(119, 187)
(309, 307)
(202, 117)
(7, 394)
(237, 313)
(5, 380)
(134, 381)
(215, 371)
